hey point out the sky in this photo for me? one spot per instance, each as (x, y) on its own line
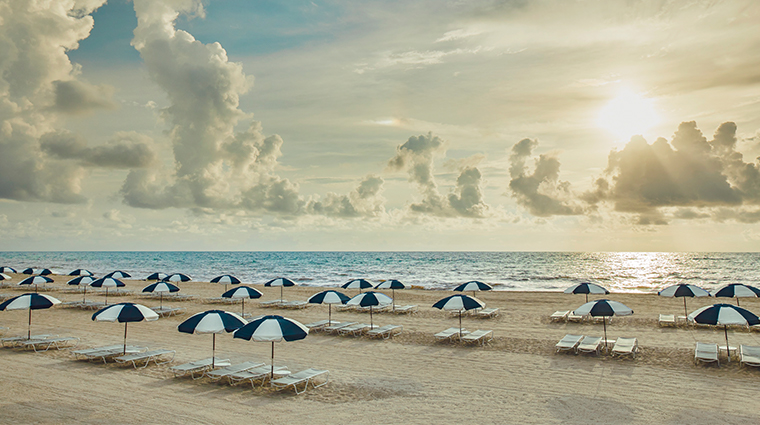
(544, 125)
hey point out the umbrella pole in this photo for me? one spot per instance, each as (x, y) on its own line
(329, 314)
(280, 298)
(29, 329)
(271, 374)
(125, 338)
(684, 307)
(460, 325)
(586, 297)
(725, 330)
(604, 323)
(106, 295)
(737, 298)
(161, 300)
(394, 300)
(213, 349)
(371, 325)
(242, 312)
(84, 297)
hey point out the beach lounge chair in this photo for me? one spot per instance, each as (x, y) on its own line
(222, 300)
(354, 330)
(337, 326)
(168, 311)
(450, 333)
(258, 374)
(44, 344)
(218, 374)
(750, 355)
(406, 309)
(706, 353)
(345, 307)
(590, 344)
(559, 316)
(198, 366)
(571, 317)
(480, 337)
(14, 341)
(318, 325)
(568, 343)
(109, 353)
(294, 305)
(148, 356)
(386, 331)
(625, 347)
(667, 320)
(84, 352)
(271, 303)
(304, 377)
(488, 313)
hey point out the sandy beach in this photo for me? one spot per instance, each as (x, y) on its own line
(411, 378)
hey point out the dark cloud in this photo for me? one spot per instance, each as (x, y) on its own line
(125, 150)
(75, 97)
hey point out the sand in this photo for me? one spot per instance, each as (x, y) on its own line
(409, 379)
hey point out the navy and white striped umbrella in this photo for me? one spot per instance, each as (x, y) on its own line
(684, 291)
(391, 284)
(724, 314)
(177, 277)
(226, 279)
(281, 282)
(460, 303)
(118, 274)
(603, 309)
(107, 282)
(157, 276)
(242, 292)
(82, 281)
(272, 329)
(328, 297)
(212, 322)
(356, 284)
(473, 286)
(4, 276)
(6, 269)
(737, 290)
(41, 272)
(587, 288)
(36, 280)
(80, 272)
(160, 288)
(29, 302)
(370, 299)
(125, 313)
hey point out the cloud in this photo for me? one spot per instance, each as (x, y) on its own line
(78, 98)
(125, 150)
(364, 201)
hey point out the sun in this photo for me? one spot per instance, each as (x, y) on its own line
(627, 115)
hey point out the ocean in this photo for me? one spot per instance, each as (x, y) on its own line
(641, 272)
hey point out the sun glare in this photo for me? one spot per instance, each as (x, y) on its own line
(627, 115)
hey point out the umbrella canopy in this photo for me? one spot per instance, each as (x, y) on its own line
(356, 284)
(107, 282)
(36, 280)
(212, 322)
(587, 288)
(84, 281)
(329, 297)
(118, 274)
(392, 284)
(177, 277)
(226, 279)
(683, 291)
(125, 313)
(460, 303)
(80, 272)
(41, 272)
(160, 288)
(724, 314)
(370, 299)
(157, 276)
(737, 290)
(281, 282)
(272, 329)
(4, 276)
(604, 309)
(473, 285)
(29, 302)
(6, 269)
(243, 292)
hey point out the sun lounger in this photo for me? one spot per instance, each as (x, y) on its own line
(337, 326)
(86, 351)
(198, 366)
(706, 353)
(45, 344)
(304, 377)
(572, 317)
(317, 326)
(450, 333)
(168, 311)
(109, 353)
(271, 303)
(375, 308)
(590, 344)
(258, 374)
(218, 374)
(750, 355)
(626, 347)
(667, 320)
(488, 313)
(14, 341)
(148, 356)
(179, 297)
(345, 307)
(568, 343)
(354, 330)
(222, 300)
(295, 305)
(406, 309)
(480, 337)
(386, 331)
(559, 316)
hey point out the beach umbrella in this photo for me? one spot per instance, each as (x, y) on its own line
(118, 274)
(356, 284)
(370, 299)
(29, 302)
(35, 280)
(177, 277)
(272, 329)
(43, 272)
(684, 291)
(84, 281)
(242, 292)
(281, 282)
(226, 279)
(107, 282)
(587, 288)
(460, 303)
(6, 269)
(157, 276)
(212, 322)
(125, 313)
(392, 284)
(160, 288)
(80, 272)
(603, 309)
(328, 297)
(473, 286)
(737, 290)
(724, 314)
(4, 276)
